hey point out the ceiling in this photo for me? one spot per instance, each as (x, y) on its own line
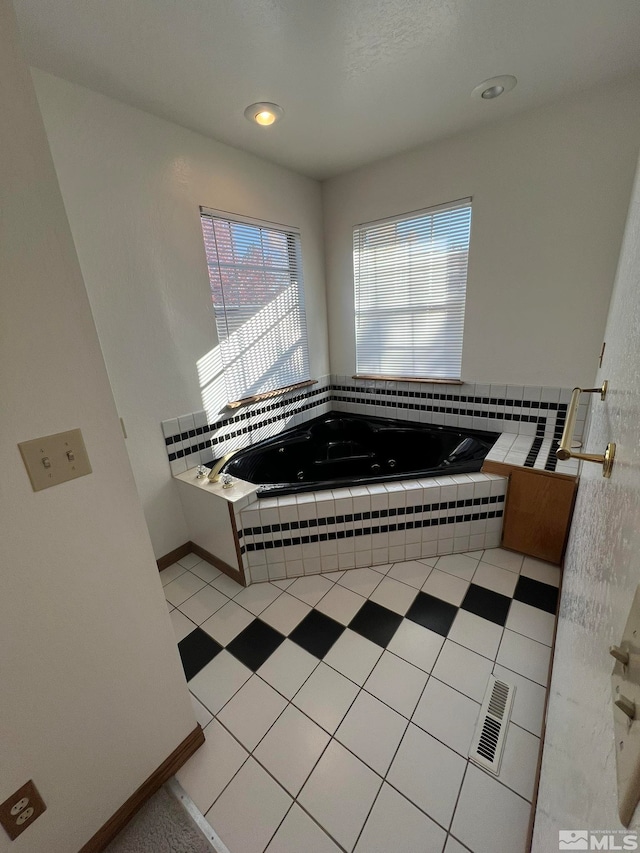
(358, 79)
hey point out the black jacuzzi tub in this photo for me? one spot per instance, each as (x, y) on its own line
(338, 450)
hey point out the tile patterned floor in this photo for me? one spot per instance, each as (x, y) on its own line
(339, 708)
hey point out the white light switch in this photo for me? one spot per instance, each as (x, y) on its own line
(55, 459)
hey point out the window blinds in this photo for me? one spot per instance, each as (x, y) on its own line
(255, 273)
(410, 282)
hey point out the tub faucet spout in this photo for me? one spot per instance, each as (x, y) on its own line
(214, 474)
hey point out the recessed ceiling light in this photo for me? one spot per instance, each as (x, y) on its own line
(264, 113)
(494, 86)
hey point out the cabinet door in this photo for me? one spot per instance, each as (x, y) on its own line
(538, 514)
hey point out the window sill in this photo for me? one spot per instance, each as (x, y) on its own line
(426, 379)
(256, 398)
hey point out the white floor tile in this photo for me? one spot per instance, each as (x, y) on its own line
(182, 626)
(257, 597)
(397, 826)
(285, 583)
(333, 576)
(453, 846)
(445, 586)
(528, 703)
(394, 595)
(227, 585)
(490, 818)
(397, 683)
(382, 569)
(326, 697)
(171, 573)
(362, 581)
(411, 572)
(310, 589)
(476, 555)
(428, 561)
(249, 810)
(540, 571)
(182, 588)
(216, 683)
(211, 768)
(206, 571)
(203, 604)
(227, 622)
(525, 656)
(509, 560)
(459, 565)
(285, 613)
(428, 773)
(499, 580)
(340, 793)
(519, 761)
(291, 748)
(464, 670)
(203, 716)
(353, 656)
(252, 711)
(447, 715)
(288, 668)
(189, 561)
(475, 633)
(341, 604)
(531, 621)
(372, 731)
(299, 833)
(416, 644)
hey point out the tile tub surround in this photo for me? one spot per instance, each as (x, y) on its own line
(332, 699)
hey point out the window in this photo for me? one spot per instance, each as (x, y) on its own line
(410, 282)
(255, 273)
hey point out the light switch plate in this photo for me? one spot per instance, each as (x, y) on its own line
(54, 459)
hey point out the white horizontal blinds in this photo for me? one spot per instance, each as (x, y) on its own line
(410, 282)
(256, 287)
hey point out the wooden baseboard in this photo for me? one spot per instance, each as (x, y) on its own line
(127, 810)
(173, 556)
(237, 576)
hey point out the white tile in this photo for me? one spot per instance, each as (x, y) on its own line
(182, 588)
(227, 585)
(285, 613)
(396, 826)
(459, 565)
(412, 572)
(310, 589)
(257, 597)
(226, 623)
(525, 656)
(531, 621)
(288, 668)
(326, 697)
(475, 633)
(394, 595)
(189, 561)
(203, 604)
(332, 576)
(446, 587)
(397, 683)
(206, 571)
(453, 846)
(216, 683)
(447, 715)
(362, 581)
(341, 604)
(212, 767)
(509, 560)
(412, 773)
(340, 793)
(171, 573)
(519, 761)
(252, 792)
(285, 583)
(353, 656)
(540, 571)
(372, 731)
(299, 833)
(202, 715)
(490, 818)
(464, 670)
(291, 748)
(499, 580)
(182, 626)
(383, 569)
(528, 703)
(252, 711)
(416, 644)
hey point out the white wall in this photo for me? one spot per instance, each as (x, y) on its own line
(132, 185)
(550, 191)
(602, 572)
(93, 696)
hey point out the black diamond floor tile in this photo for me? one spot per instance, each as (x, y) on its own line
(487, 604)
(432, 613)
(376, 623)
(537, 594)
(316, 633)
(196, 651)
(257, 642)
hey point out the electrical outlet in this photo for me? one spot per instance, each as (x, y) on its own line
(21, 809)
